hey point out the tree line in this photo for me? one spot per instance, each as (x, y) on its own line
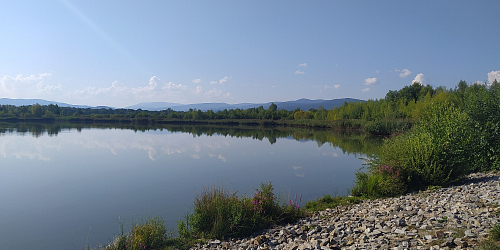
(404, 104)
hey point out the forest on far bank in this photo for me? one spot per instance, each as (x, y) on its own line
(399, 107)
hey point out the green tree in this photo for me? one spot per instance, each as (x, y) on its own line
(36, 110)
(273, 107)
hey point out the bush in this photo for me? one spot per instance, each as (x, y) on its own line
(483, 106)
(435, 152)
(219, 213)
(378, 182)
(388, 127)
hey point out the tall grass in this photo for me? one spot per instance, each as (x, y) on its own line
(219, 213)
(149, 235)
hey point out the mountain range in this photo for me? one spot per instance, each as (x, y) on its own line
(303, 104)
(26, 102)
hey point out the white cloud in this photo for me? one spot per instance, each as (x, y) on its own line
(336, 86)
(421, 79)
(42, 88)
(299, 72)
(170, 86)
(296, 167)
(213, 82)
(302, 65)
(366, 90)
(125, 96)
(494, 75)
(213, 92)
(223, 80)
(196, 80)
(32, 86)
(151, 85)
(332, 154)
(195, 156)
(404, 73)
(371, 81)
(222, 158)
(377, 71)
(115, 94)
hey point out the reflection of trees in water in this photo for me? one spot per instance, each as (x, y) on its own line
(36, 129)
(349, 142)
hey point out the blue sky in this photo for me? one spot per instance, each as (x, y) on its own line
(119, 53)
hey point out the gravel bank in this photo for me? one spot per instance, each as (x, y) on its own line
(449, 218)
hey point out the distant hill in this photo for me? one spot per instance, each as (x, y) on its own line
(27, 102)
(153, 106)
(303, 104)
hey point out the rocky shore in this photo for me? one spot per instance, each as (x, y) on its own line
(456, 217)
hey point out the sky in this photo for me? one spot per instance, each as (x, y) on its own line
(120, 53)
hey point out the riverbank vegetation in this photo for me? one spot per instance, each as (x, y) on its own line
(218, 214)
(457, 133)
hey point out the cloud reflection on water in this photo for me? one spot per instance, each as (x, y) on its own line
(154, 144)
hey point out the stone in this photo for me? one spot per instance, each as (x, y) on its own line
(399, 231)
(259, 240)
(214, 242)
(440, 234)
(469, 233)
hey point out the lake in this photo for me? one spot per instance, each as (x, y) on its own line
(66, 186)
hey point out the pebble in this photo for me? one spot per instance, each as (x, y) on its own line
(448, 218)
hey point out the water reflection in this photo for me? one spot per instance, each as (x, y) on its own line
(350, 142)
(59, 180)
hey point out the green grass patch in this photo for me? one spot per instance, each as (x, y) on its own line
(495, 232)
(151, 234)
(331, 202)
(488, 244)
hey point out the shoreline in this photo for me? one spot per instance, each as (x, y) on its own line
(455, 217)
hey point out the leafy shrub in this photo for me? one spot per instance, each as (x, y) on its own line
(388, 127)
(434, 152)
(379, 181)
(483, 106)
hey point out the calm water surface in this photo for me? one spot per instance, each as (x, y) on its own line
(66, 188)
